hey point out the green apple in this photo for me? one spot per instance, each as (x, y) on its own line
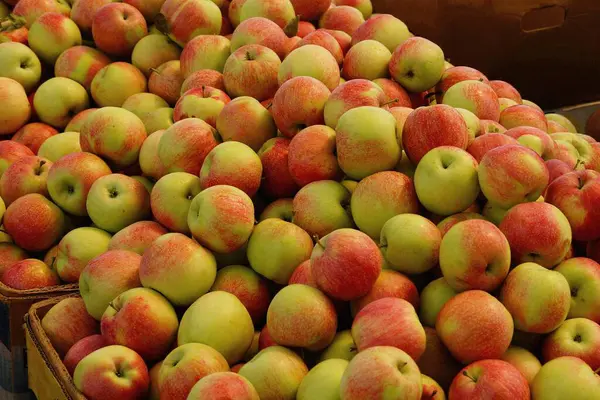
(342, 347)
(150, 164)
(583, 275)
(77, 248)
(57, 100)
(158, 119)
(473, 123)
(142, 104)
(433, 298)
(57, 146)
(152, 51)
(323, 381)
(51, 34)
(311, 60)
(494, 213)
(171, 198)
(566, 378)
(115, 83)
(417, 64)
(21, 64)
(16, 109)
(368, 59)
(384, 28)
(281, 208)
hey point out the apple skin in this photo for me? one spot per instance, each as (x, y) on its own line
(31, 10)
(499, 377)
(310, 10)
(367, 59)
(450, 172)
(288, 246)
(487, 126)
(281, 208)
(566, 377)
(227, 385)
(577, 337)
(536, 139)
(166, 81)
(322, 38)
(9, 255)
(474, 254)
(433, 297)
(346, 264)
(388, 284)
(475, 96)
(260, 31)
(277, 180)
(436, 361)
(342, 347)
(299, 103)
(14, 55)
(29, 274)
(141, 104)
(152, 51)
(384, 28)
(475, 326)
(342, 18)
(51, 34)
(431, 389)
(506, 90)
(247, 121)
(537, 232)
(205, 77)
(397, 99)
(171, 198)
(57, 99)
(205, 103)
(583, 275)
(484, 143)
(188, 262)
(78, 120)
(33, 135)
(27, 175)
(34, 222)
(429, 127)
(72, 256)
(57, 146)
(575, 194)
(149, 161)
(279, 11)
(323, 380)
(417, 64)
(447, 223)
(205, 52)
(522, 115)
(381, 372)
(188, 19)
(454, 75)
(154, 372)
(349, 95)
(95, 375)
(11, 152)
(505, 103)
(82, 349)
(114, 83)
(310, 60)
(107, 276)
(527, 364)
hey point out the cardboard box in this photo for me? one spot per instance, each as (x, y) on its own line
(548, 49)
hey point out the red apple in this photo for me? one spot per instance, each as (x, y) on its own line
(33, 135)
(117, 27)
(28, 175)
(453, 75)
(252, 71)
(522, 115)
(11, 151)
(506, 90)
(484, 143)
(277, 179)
(342, 18)
(187, 19)
(81, 349)
(352, 94)
(166, 81)
(260, 31)
(29, 274)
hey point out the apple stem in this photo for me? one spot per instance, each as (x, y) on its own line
(318, 240)
(269, 105)
(465, 373)
(154, 70)
(390, 102)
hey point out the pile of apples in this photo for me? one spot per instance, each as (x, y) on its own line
(291, 199)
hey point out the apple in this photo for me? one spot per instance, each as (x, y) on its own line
(557, 168)
(279, 11)
(154, 393)
(474, 326)
(226, 385)
(524, 361)
(349, 95)
(171, 198)
(364, 6)
(245, 120)
(436, 361)
(58, 146)
(153, 51)
(342, 347)
(417, 64)
(188, 19)
(33, 135)
(114, 83)
(281, 208)
(83, 12)
(191, 273)
(537, 232)
(388, 284)
(488, 126)
(31, 10)
(148, 8)
(34, 222)
(21, 64)
(260, 31)
(142, 104)
(205, 52)
(113, 372)
(11, 152)
(16, 110)
(72, 98)
(577, 337)
(448, 222)
(137, 237)
(25, 176)
(72, 257)
(583, 276)
(475, 96)
(563, 121)
(149, 161)
(277, 247)
(484, 143)
(157, 120)
(277, 179)
(117, 27)
(204, 77)
(504, 103)
(342, 18)
(78, 120)
(566, 377)
(264, 339)
(379, 372)
(490, 376)
(384, 28)
(368, 59)
(454, 75)
(323, 380)
(166, 81)
(204, 103)
(506, 90)
(82, 349)
(523, 115)
(51, 34)
(536, 139)
(431, 389)
(9, 255)
(433, 297)
(313, 61)
(303, 275)
(29, 274)
(324, 39)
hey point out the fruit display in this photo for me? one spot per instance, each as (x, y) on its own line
(291, 199)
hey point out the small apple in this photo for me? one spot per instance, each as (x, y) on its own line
(57, 100)
(489, 376)
(21, 64)
(523, 115)
(33, 135)
(566, 377)
(171, 198)
(114, 83)
(417, 64)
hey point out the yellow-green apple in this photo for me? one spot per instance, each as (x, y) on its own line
(77, 248)
(78, 120)
(141, 104)
(57, 100)
(474, 325)
(484, 143)
(475, 96)
(448, 222)
(562, 120)
(33, 135)
(433, 297)
(277, 179)
(322, 207)
(410, 243)
(116, 201)
(277, 247)
(346, 264)
(204, 103)
(21, 64)
(149, 161)
(566, 378)
(114, 83)
(279, 11)
(171, 198)
(388, 284)
(70, 179)
(577, 337)
(160, 119)
(397, 99)
(25, 176)
(473, 123)
(275, 372)
(431, 389)
(302, 316)
(223, 385)
(51, 34)
(499, 377)
(220, 320)
(67, 322)
(107, 276)
(524, 361)
(114, 134)
(185, 145)
(11, 152)
(583, 275)
(34, 222)
(436, 361)
(342, 18)
(166, 81)
(380, 372)
(142, 320)
(204, 77)
(575, 194)
(534, 138)
(523, 115)
(384, 28)
(537, 298)
(342, 347)
(234, 164)
(450, 173)
(247, 121)
(504, 179)
(188, 19)
(112, 372)
(260, 31)
(137, 237)
(205, 52)
(504, 103)
(29, 274)
(474, 254)
(537, 232)
(323, 380)
(221, 218)
(82, 349)
(444, 126)
(367, 59)
(299, 103)
(349, 95)
(117, 27)
(327, 41)
(366, 142)
(9, 255)
(191, 268)
(310, 60)
(364, 6)
(152, 51)
(389, 322)
(16, 109)
(417, 64)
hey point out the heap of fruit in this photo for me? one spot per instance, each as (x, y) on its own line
(291, 199)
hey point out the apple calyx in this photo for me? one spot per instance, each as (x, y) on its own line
(291, 29)
(465, 373)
